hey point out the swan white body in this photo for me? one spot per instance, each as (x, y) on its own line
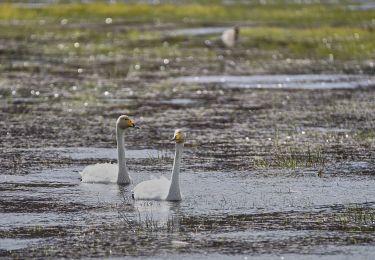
(162, 188)
(230, 37)
(100, 173)
(107, 172)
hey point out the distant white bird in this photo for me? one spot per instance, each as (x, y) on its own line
(107, 172)
(230, 37)
(162, 188)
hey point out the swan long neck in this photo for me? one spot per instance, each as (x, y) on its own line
(123, 176)
(174, 190)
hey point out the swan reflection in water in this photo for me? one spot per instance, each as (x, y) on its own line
(150, 215)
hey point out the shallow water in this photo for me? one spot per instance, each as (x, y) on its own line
(198, 31)
(346, 253)
(245, 192)
(310, 81)
(80, 153)
(362, 5)
(329, 129)
(56, 199)
(179, 101)
(12, 244)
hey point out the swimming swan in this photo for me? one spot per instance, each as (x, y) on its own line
(162, 188)
(107, 172)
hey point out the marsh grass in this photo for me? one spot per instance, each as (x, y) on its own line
(365, 135)
(358, 218)
(162, 156)
(145, 222)
(148, 223)
(292, 156)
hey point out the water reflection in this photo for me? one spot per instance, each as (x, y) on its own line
(163, 214)
(94, 193)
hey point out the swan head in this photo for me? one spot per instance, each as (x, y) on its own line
(124, 122)
(179, 136)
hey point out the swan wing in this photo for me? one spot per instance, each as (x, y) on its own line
(155, 189)
(100, 173)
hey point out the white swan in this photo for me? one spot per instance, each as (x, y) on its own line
(162, 188)
(107, 172)
(230, 37)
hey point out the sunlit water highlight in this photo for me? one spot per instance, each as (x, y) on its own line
(80, 153)
(198, 31)
(309, 81)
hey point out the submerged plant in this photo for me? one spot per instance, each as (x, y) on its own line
(161, 156)
(149, 223)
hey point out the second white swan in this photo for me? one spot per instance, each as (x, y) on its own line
(162, 188)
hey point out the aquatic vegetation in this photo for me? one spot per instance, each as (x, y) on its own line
(163, 156)
(293, 158)
(149, 223)
(365, 135)
(358, 219)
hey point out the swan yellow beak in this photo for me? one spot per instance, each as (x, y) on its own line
(179, 137)
(131, 123)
